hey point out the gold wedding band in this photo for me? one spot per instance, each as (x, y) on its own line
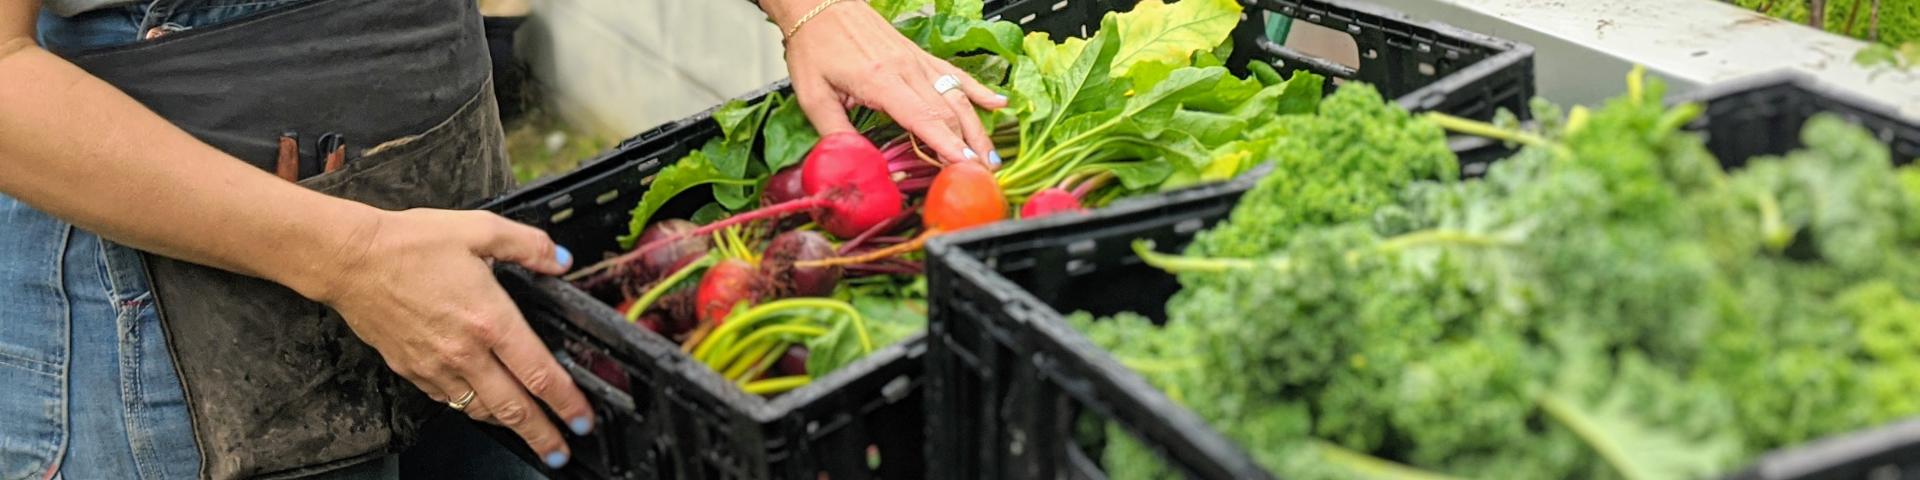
(461, 404)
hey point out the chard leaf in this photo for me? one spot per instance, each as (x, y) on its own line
(990, 70)
(1153, 110)
(945, 35)
(689, 172)
(1211, 129)
(1141, 175)
(1156, 31)
(1227, 93)
(894, 9)
(1030, 90)
(709, 213)
(1146, 75)
(788, 136)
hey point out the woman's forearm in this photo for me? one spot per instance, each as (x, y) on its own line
(79, 149)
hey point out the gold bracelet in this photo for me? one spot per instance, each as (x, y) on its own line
(809, 16)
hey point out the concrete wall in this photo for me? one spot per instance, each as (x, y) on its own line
(616, 67)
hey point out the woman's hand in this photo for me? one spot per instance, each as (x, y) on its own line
(418, 288)
(848, 55)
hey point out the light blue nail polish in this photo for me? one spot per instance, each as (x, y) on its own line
(580, 425)
(560, 254)
(556, 459)
(969, 154)
(993, 158)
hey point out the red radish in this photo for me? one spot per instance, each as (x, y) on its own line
(965, 195)
(1050, 201)
(848, 192)
(786, 280)
(726, 284)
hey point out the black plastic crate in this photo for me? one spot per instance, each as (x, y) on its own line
(1425, 65)
(1009, 377)
(674, 418)
(665, 415)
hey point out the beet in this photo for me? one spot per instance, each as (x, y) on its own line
(794, 362)
(847, 170)
(669, 257)
(726, 284)
(783, 186)
(1050, 201)
(784, 279)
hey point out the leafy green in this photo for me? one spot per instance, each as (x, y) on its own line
(894, 9)
(1606, 303)
(1156, 31)
(677, 177)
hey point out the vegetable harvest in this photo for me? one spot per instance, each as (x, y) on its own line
(1606, 303)
(808, 255)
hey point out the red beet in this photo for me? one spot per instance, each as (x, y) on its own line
(672, 255)
(784, 186)
(794, 362)
(726, 284)
(846, 169)
(786, 280)
(1050, 201)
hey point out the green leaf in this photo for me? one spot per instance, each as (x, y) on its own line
(1153, 109)
(1264, 73)
(729, 157)
(788, 136)
(1229, 92)
(709, 213)
(1030, 90)
(1141, 175)
(964, 8)
(689, 172)
(1155, 31)
(891, 319)
(740, 121)
(1211, 129)
(945, 35)
(839, 347)
(736, 197)
(1146, 75)
(894, 9)
(1635, 448)
(990, 70)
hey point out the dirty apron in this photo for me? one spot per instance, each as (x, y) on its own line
(278, 386)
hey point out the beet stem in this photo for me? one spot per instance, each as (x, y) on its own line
(660, 288)
(1091, 184)
(766, 213)
(872, 256)
(883, 227)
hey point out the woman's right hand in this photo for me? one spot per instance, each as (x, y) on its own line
(417, 286)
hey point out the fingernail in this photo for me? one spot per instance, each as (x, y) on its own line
(969, 154)
(580, 425)
(993, 158)
(1003, 98)
(560, 254)
(556, 459)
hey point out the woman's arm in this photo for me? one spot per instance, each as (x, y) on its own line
(847, 54)
(415, 284)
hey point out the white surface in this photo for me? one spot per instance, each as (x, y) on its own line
(617, 67)
(1585, 46)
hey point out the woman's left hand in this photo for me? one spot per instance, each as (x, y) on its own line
(848, 55)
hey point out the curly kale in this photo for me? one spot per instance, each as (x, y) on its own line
(1339, 164)
(1606, 303)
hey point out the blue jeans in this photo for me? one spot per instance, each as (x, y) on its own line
(88, 388)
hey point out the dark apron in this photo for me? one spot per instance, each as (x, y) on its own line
(278, 385)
